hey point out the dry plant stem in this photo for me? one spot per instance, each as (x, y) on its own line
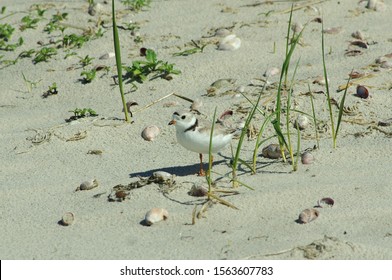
(117, 52)
(298, 7)
(154, 102)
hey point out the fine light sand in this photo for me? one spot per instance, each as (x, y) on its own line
(38, 180)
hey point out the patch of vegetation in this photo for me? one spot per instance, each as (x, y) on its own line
(6, 31)
(28, 22)
(136, 5)
(44, 54)
(88, 75)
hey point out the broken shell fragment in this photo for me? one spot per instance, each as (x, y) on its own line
(155, 215)
(358, 35)
(362, 92)
(162, 176)
(301, 122)
(150, 132)
(325, 202)
(307, 158)
(320, 80)
(230, 43)
(308, 215)
(107, 55)
(221, 32)
(272, 151)
(88, 185)
(333, 30)
(196, 105)
(67, 219)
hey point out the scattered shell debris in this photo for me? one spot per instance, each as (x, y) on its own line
(229, 43)
(67, 219)
(88, 185)
(155, 215)
(325, 202)
(150, 132)
(121, 192)
(308, 215)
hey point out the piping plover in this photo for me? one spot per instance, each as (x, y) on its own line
(194, 135)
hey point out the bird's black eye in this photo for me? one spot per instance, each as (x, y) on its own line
(183, 117)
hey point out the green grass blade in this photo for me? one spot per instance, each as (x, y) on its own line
(341, 107)
(117, 52)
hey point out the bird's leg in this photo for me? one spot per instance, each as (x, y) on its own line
(201, 172)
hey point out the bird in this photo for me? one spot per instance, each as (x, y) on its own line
(194, 135)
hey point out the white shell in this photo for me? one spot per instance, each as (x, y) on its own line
(307, 158)
(107, 55)
(386, 64)
(88, 185)
(371, 4)
(297, 27)
(67, 219)
(230, 43)
(162, 175)
(301, 122)
(271, 72)
(155, 215)
(150, 132)
(320, 80)
(358, 35)
(308, 215)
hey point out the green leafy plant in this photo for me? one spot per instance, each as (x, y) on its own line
(136, 5)
(117, 52)
(85, 61)
(82, 113)
(74, 41)
(197, 48)
(54, 23)
(28, 22)
(88, 75)
(141, 69)
(44, 54)
(6, 31)
(51, 91)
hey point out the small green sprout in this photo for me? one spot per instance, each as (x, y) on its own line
(86, 60)
(82, 113)
(44, 54)
(29, 22)
(51, 91)
(88, 75)
(136, 5)
(194, 50)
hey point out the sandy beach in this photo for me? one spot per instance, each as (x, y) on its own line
(45, 157)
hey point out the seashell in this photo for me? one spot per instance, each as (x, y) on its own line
(222, 32)
(386, 64)
(150, 132)
(358, 35)
(307, 158)
(272, 151)
(333, 30)
(162, 176)
(297, 27)
(381, 59)
(362, 92)
(308, 215)
(326, 201)
(88, 185)
(129, 104)
(198, 191)
(107, 55)
(356, 75)
(155, 215)
(380, 7)
(230, 43)
(240, 89)
(386, 122)
(271, 72)
(360, 44)
(371, 4)
(196, 105)
(301, 122)
(320, 80)
(67, 219)
(223, 83)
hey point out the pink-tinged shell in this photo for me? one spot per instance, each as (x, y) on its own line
(333, 30)
(271, 72)
(325, 202)
(308, 215)
(150, 132)
(307, 158)
(155, 215)
(362, 92)
(272, 151)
